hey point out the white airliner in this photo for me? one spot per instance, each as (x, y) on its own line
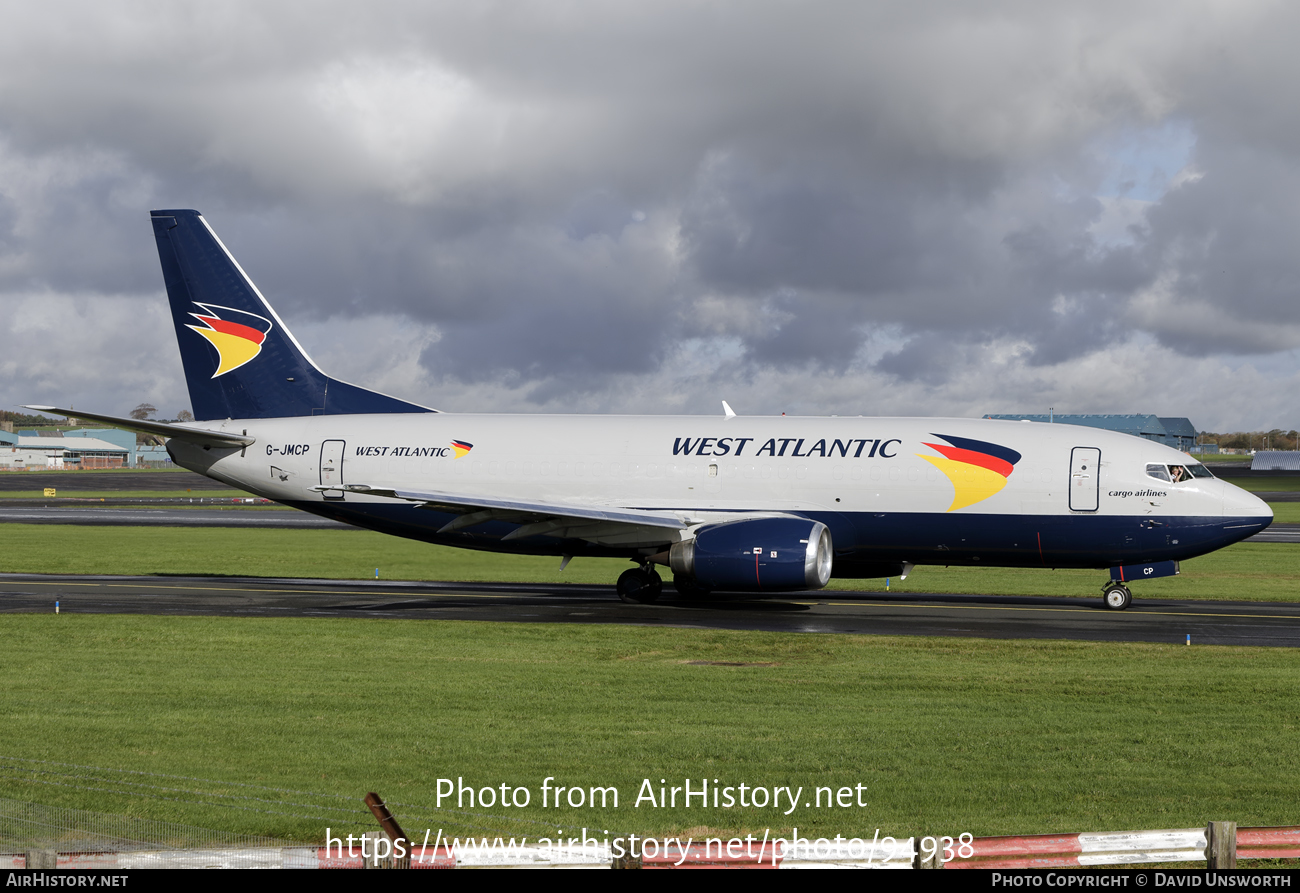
(728, 503)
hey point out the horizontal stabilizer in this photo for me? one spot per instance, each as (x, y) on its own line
(201, 436)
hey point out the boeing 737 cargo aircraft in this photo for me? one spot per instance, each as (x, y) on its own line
(728, 503)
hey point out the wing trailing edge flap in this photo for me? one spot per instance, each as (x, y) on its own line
(609, 526)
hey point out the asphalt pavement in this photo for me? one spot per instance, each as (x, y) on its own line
(97, 481)
(1162, 621)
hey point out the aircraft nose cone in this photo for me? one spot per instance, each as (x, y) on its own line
(1238, 503)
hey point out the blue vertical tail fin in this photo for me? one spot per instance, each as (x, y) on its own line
(241, 361)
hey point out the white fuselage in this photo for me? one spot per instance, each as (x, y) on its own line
(881, 484)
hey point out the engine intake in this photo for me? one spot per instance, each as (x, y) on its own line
(757, 555)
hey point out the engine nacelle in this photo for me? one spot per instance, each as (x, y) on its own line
(759, 554)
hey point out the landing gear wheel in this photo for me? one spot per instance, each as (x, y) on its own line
(1116, 596)
(689, 587)
(639, 587)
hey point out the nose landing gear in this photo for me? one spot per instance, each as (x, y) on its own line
(1115, 595)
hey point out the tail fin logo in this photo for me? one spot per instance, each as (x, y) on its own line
(977, 469)
(461, 448)
(236, 334)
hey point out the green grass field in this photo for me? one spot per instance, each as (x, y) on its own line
(945, 734)
(1285, 512)
(1279, 484)
(1252, 571)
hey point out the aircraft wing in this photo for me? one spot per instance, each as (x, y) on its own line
(592, 523)
(201, 436)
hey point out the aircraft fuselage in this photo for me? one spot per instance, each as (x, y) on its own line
(923, 491)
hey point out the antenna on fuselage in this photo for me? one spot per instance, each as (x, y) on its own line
(727, 410)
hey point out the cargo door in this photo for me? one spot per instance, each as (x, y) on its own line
(1085, 479)
(331, 468)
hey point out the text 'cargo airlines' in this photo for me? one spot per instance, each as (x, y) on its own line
(728, 503)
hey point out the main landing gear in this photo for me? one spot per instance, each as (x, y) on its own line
(639, 586)
(688, 587)
(1116, 596)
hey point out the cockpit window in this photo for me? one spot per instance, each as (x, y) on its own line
(1178, 474)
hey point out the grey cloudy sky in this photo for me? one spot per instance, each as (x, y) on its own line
(875, 208)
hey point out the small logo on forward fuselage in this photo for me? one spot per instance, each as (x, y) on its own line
(236, 334)
(977, 469)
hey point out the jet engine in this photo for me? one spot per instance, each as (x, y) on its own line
(759, 554)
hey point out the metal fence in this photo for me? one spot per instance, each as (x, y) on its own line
(33, 827)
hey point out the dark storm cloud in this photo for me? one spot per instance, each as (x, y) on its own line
(930, 259)
(74, 226)
(567, 199)
(1227, 244)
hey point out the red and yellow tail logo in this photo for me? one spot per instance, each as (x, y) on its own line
(977, 469)
(236, 334)
(461, 447)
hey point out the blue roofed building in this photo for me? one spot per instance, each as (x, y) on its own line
(124, 439)
(1171, 431)
(1180, 433)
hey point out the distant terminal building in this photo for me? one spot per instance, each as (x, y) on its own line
(118, 437)
(1178, 433)
(152, 456)
(1275, 460)
(21, 451)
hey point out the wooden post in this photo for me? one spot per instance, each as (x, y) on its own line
(368, 848)
(933, 860)
(1221, 845)
(394, 831)
(47, 858)
(627, 860)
